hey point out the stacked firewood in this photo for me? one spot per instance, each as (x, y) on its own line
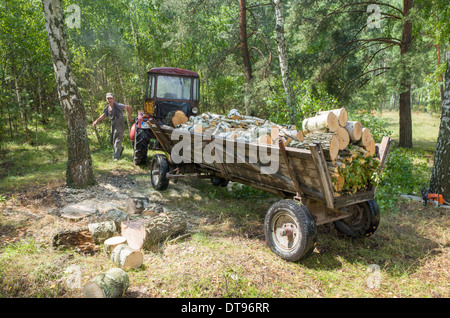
(348, 147)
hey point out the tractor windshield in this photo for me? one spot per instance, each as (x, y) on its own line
(172, 87)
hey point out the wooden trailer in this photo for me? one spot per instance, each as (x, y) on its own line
(301, 179)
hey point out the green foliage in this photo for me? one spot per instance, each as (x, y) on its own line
(404, 173)
(310, 98)
(376, 124)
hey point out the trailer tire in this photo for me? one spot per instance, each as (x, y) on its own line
(290, 230)
(159, 169)
(363, 222)
(219, 182)
(141, 142)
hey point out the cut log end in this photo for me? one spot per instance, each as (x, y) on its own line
(344, 138)
(126, 257)
(354, 129)
(112, 242)
(265, 139)
(179, 118)
(93, 290)
(334, 147)
(327, 122)
(366, 137)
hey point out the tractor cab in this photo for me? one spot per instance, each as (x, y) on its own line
(171, 89)
(168, 90)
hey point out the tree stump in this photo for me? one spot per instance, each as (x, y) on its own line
(112, 284)
(145, 233)
(126, 257)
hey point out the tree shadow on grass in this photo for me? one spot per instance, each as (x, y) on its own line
(403, 241)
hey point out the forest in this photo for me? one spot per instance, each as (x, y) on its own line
(386, 62)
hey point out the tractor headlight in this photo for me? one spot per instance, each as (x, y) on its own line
(195, 110)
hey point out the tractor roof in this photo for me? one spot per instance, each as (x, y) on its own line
(172, 71)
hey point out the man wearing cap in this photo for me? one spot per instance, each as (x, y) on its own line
(114, 111)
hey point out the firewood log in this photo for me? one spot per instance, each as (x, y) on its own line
(112, 284)
(344, 138)
(117, 216)
(126, 257)
(179, 118)
(327, 122)
(265, 139)
(366, 137)
(354, 129)
(145, 233)
(371, 147)
(329, 142)
(102, 231)
(340, 113)
(112, 242)
(80, 239)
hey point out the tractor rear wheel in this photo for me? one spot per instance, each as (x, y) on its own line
(217, 181)
(290, 230)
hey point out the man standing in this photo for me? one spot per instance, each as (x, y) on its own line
(114, 111)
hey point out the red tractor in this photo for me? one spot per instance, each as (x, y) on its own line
(168, 89)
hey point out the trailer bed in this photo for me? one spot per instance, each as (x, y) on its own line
(300, 171)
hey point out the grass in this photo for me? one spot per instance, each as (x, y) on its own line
(425, 128)
(226, 255)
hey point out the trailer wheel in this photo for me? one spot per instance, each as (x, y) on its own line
(290, 230)
(141, 142)
(160, 167)
(363, 222)
(217, 181)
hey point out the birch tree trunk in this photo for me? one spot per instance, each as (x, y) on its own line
(79, 172)
(282, 56)
(440, 177)
(244, 52)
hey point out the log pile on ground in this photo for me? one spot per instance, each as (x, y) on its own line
(145, 233)
(145, 224)
(348, 147)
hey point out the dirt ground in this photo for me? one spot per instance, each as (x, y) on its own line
(224, 253)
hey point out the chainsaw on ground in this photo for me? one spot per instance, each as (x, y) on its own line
(433, 199)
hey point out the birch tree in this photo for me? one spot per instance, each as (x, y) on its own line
(79, 164)
(282, 56)
(244, 51)
(440, 177)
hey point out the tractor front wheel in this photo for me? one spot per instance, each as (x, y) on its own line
(160, 167)
(141, 142)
